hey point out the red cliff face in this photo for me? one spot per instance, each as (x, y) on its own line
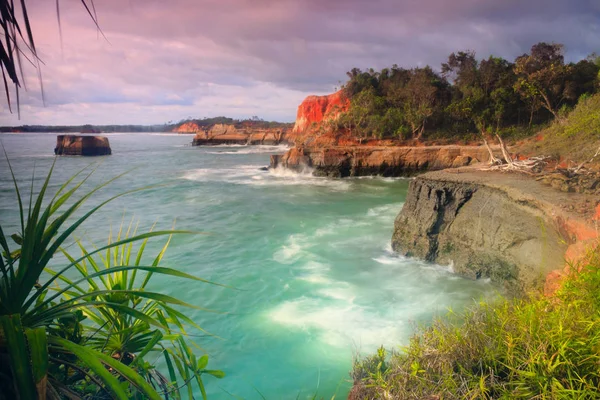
(316, 109)
(188, 127)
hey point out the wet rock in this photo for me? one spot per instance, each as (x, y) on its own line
(480, 231)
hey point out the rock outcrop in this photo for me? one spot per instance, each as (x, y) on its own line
(505, 227)
(76, 145)
(188, 127)
(221, 134)
(345, 161)
(316, 109)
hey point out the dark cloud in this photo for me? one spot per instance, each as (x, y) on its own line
(261, 57)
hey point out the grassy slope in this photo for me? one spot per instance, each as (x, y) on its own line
(576, 138)
(539, 347)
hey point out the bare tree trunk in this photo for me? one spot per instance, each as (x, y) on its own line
(531, 116)
(576, 170)
(493, 159)
(548, 106)
(421, 131)
(505, 153)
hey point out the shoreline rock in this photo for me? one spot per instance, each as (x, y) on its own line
(505, 227)
(389, 161)
(78, 145)
(221, 134)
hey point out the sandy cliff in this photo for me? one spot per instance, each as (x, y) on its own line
(221, 134)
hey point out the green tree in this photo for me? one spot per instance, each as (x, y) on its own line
(418, 98)
(543, 76)
(485, 92)
(365, 111)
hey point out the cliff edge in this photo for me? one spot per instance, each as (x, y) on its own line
(505, 227)
(317, 109)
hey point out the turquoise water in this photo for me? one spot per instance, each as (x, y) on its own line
(310, 260)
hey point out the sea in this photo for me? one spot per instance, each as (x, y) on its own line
(310, 279)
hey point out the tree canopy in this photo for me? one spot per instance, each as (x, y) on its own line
(467, 94)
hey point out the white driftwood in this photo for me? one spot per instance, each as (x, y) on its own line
(493, 159)
(578, 168)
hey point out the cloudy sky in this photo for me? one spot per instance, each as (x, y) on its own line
(167, 60)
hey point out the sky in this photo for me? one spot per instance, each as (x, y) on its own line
(167, 60)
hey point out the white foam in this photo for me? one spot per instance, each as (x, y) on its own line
(315, 278)
(253, 175)
(339, 324)
(251, 149)
(342, 224)
(386, 260)
(291, 251)
(385, 211)
(339, 293)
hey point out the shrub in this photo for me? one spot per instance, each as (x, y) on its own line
(87, 336)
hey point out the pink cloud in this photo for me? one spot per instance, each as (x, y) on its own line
(202, 58)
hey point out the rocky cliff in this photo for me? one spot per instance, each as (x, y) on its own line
(344, 161)
(221, 134)
(188, 127)
(76, 145)
(316, 109)
(505, 227)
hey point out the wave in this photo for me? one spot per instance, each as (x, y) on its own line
(251, 149)
(37, 156)
(290, 252)
(386, 211)
(254, 175)
(338, 323)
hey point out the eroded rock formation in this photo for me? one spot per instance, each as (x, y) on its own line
(316, 109)
(347, 161)
(221, 134)
(76, 145)
(505, 227)
(188, 127)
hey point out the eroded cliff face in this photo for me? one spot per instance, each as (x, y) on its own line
(188, 127)
(221, 134)
(348, 161)
(316, 109)
(509, 229)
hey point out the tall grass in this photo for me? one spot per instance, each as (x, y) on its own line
(532, 348)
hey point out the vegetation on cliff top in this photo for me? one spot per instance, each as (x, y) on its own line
(487, 96)
(539, 347)
(576, 137)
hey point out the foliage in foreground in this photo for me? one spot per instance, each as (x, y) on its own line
(88, 328)
(534, 348)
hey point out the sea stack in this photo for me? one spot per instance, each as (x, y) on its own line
(77, 145)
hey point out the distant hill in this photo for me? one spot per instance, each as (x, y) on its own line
(253, 122)
(197, 125)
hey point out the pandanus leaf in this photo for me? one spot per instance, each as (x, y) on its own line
(18, 355)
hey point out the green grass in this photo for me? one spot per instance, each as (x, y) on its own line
(531, 348)
(575, 138)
